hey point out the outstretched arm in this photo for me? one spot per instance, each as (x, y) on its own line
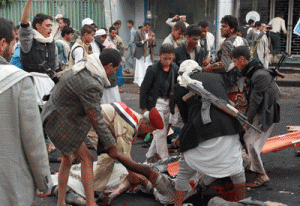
(26, 12)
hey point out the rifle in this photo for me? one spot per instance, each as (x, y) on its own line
(275, 72)
(208, 99)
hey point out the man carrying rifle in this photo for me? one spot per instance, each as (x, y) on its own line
(262, 111)
(209, 143)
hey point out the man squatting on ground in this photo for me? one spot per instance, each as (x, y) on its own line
(24, 161)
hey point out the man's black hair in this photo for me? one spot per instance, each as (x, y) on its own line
(193, 30)
(67, 30)
(66, 21)
(118, 22)
(87, 29)
(147, 23)
(257, 24)
(110, 56)
(280, 13)
(167, 49)
(180, 26)
(241, 51)
(140, 27)
(131, 22)
(111, 29)
(231, 21)
(39, 19)
(251, 21)
(6, 30)
(203, 24)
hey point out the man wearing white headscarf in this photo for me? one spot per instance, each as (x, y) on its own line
(213, 148)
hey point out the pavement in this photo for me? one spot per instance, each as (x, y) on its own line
(282, 167)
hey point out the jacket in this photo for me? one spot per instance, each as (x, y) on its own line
(23, 155)
(194, 131)
(181, 54)
(262, 95)
(152, 83)
(141, 47)
(65, 114)
(99, 43)
(38, 54)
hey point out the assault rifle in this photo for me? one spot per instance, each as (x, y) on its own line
(208, 99)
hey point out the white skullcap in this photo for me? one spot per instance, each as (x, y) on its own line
(87, 21)
(59, 16)
(100, 32)
(188, 66)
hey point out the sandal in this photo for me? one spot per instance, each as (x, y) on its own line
(257, 182)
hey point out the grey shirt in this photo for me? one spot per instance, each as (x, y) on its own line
(26, 39)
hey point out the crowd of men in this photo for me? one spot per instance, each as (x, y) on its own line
(83, 72)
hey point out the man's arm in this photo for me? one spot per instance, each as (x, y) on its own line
(26, 12)
(78, 54)
(283, 27)
(146, 87)
(32, 137)
(170, 21)
(225, 58)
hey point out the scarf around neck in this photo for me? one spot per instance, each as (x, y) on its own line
(40, 38)
(93, 64)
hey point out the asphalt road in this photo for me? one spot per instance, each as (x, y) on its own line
(282, 167)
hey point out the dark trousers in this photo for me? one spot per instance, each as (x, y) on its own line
(275, 41)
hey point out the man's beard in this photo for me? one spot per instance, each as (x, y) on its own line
(7, 55)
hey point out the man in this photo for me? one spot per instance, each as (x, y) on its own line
(81, 47)
(100, 37)
(171, 23)
(177, 33)
(190, 49)
(207, 41)
(156, 91)
(260, 47)
(73, 107)
(118, 42)
(56, 24)
(102, 34)
(277, 24)
(63, 45)
(144, 40)
(37, 42)
(213, 148)
(16, 57)
(94, 46)
(229, 74)
(25, 165)
(130, 63)
(62, 23)
(263, 109)
(117, 25)
(251, 35)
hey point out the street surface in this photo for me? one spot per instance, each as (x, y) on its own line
(282, 167)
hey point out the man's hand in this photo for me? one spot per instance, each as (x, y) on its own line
(26, 12)
(206, 61)
(113, 152)
(143, 111)
(287, 35)
(44, 195)
(176, 142)
(246, 127)
(175, 17)
(215, 66)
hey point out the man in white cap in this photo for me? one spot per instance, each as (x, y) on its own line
(56, 24)
(95, 47)
(172, 21)
(210, 147)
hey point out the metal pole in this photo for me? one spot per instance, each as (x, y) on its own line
(290, 27)
(224, 7)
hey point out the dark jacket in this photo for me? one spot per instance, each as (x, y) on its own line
(152, 83)
(141, 48)
(99, 43)
(181, 54)
(194, 131)
(38, 54)
(262, 95)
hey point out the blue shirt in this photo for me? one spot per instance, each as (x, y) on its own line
(16, 58)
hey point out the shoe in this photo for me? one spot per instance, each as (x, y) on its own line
(257, 182)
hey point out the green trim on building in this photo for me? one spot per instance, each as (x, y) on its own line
(75, 10)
